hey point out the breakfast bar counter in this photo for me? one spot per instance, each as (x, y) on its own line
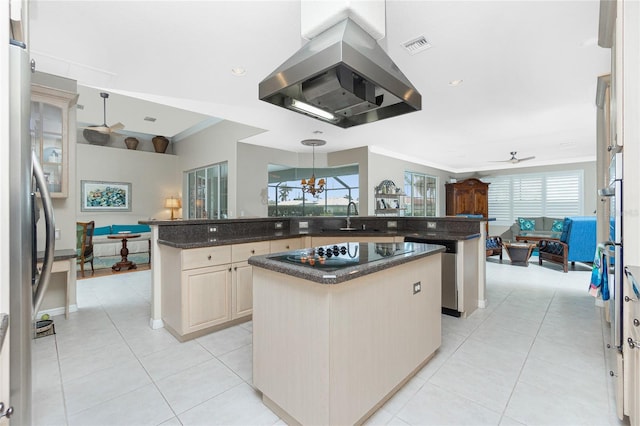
(338, 329)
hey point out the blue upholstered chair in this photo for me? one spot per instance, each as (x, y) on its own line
(577, 243)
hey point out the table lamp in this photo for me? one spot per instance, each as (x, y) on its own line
(172, 203)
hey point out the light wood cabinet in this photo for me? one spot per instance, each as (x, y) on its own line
(196, 288)
(206, 292)
(470, 196)
(277, 246)
(242, 289)
(242, 276)
(349, 237)
(49, 127)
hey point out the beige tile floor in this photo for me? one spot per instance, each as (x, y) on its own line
(534, 356)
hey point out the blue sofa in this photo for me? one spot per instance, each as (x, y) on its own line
(577, 242)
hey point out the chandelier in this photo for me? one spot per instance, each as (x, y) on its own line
(309, 185)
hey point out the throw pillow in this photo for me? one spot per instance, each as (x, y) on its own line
(557, 226)
(527, 224)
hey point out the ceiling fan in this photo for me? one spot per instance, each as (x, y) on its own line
(101, 134)
(513, 159)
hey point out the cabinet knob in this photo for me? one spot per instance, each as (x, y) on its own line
(636, 322)
(209, 257)
(229, 268)
(287, 247)
(253, 251)
(632, 344)
(235, 268)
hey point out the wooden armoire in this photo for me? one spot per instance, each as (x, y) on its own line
(469, 196)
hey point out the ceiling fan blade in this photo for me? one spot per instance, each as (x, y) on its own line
(526, 158)
(99, 129)
(501, 161)
(117, 126)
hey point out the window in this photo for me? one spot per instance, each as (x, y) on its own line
(557, 194)
(285, 196)
(207, 189)
(421, 191)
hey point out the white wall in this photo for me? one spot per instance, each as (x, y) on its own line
(212, 145)
(382, 167)
(153, 178)
(252, 176)
(359, 156)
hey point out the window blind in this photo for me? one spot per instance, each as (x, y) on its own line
(557, 194)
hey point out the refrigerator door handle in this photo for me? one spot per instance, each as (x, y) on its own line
(41, 285)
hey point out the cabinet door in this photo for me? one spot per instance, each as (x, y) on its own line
(325, 241)
(480, 202)
(50, 127)
(242, 289)
(464, 202)
(206, 292)
(288, 244)
(242, 252)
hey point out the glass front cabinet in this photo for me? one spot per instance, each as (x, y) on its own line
(49, 128)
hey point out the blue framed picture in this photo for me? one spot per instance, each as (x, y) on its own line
(105, 196)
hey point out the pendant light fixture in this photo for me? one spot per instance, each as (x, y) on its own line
(309, 186)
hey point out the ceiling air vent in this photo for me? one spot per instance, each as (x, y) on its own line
(79, 106)
(416, 45)
(151, 119)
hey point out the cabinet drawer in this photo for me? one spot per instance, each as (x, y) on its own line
(288, 244)
(242, 252)
(205, 256)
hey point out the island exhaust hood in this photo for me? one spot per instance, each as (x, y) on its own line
(342, 77)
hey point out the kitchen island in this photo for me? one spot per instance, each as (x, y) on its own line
(193, 296)
(338, 329)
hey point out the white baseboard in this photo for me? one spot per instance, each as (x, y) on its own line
(57, 311)
(156, 323)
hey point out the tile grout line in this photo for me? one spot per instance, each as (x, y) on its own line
(506, 406)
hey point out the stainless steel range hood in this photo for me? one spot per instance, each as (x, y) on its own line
(343, 77)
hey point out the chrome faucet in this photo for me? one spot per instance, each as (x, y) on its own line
(355, 209)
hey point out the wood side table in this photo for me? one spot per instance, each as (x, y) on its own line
(519, 253)
(124, 252)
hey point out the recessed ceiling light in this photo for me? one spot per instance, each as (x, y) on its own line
(80, 106)
(455, 83)
(239, 71)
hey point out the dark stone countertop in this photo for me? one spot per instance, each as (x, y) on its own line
(442, 236)
(188, 242)
(63, 254)
(346, 273)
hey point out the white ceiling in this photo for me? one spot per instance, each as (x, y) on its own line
(529, 71)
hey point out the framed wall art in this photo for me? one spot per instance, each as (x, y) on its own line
(105, 196)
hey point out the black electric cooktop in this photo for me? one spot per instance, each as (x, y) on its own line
(338, 256)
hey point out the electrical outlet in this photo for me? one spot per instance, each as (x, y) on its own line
(278, 225)
(304, 225)
(392, 224)
(431, 225)
(417, 287)
(57, 233)
(213, 229)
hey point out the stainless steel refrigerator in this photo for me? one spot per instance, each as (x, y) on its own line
(27, 287)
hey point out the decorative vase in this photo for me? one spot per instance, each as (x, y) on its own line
(160, 143)
(131, 143)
